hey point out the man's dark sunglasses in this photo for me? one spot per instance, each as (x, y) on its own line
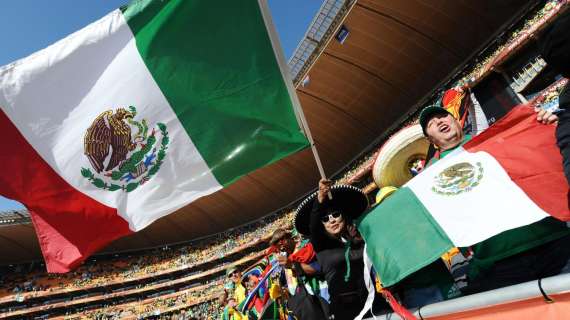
(327, 217)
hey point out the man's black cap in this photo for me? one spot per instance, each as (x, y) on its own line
(427, 113)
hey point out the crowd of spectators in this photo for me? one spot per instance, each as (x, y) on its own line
(502, 49)
(208, 310)
(199, 303)
(105, 271)
(21, 284)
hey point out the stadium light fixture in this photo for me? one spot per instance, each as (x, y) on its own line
(342, 34)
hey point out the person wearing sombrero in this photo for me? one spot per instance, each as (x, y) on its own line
(325, 217)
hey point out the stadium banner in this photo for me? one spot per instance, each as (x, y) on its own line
(507, 177)
(155, 105)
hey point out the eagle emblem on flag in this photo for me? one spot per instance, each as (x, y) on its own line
(121, 160)
(458, 178)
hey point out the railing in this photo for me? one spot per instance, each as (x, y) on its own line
(542, 288)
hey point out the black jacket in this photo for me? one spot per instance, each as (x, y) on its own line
(347, 297)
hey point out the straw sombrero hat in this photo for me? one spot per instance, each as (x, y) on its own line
(392, 165)
(351, 201)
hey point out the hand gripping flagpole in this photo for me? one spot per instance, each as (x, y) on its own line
(289, 83)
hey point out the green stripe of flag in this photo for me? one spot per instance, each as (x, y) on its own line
(215, 64)
(404, 235)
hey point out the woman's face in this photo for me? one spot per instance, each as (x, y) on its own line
(334, 226)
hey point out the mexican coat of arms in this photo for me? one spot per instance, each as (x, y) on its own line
(458, 178)
(119, 159)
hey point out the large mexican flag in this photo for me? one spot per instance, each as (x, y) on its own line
(140, 113)
(507, 177)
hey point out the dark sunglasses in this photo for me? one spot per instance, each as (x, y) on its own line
(327, 217)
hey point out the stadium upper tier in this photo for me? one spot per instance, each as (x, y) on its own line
(396, 53)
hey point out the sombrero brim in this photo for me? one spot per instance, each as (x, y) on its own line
(351, 201)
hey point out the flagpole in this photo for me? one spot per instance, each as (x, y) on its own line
(289, 83)
(305, 127)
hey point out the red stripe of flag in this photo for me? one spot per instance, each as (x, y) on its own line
(70, 225)
(527, 150)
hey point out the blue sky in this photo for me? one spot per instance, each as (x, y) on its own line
(27, 26)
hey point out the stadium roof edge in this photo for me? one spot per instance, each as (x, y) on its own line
(12, 217)
(327, 19)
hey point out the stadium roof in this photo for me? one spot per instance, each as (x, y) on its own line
(363, 68)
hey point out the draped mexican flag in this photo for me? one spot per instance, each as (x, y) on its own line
(507, 177)
(140, 113)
